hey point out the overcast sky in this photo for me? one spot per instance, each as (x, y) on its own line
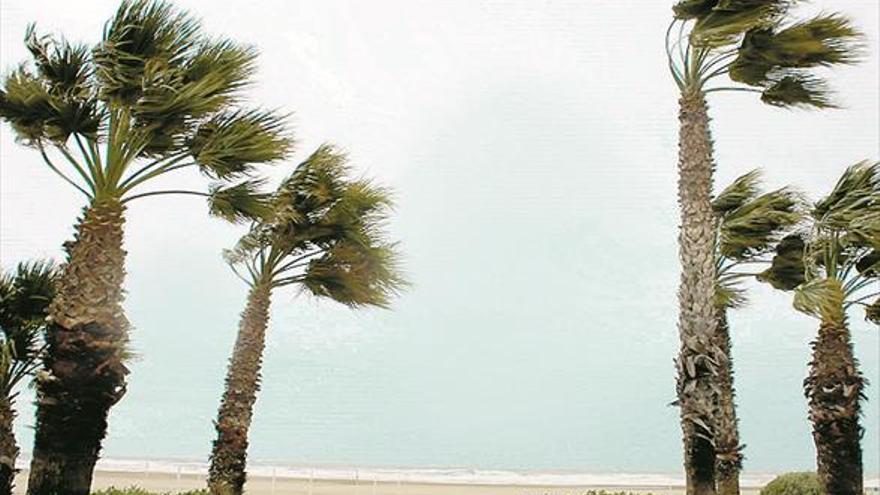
(532, 146)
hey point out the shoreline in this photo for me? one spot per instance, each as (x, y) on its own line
(266, 479)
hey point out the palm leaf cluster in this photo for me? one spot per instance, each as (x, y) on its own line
(323, 230)
(154, 96)
(25, 294)
(760, 45)
(834, 264)
(750, 225)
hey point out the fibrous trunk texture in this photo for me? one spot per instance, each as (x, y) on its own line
(8, 447)
(834, 389)
(698, 355)
(83, 374)
(229, 456)
(728, 452)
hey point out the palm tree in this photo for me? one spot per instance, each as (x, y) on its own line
(322, 232)
(25, 294)
(155, 96)
(749, 225)
(758, 45)
(833, 266)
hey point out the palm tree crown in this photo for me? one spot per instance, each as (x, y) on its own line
(156, 94)
(322, 230)
(25, 294)
(760, 46)
(834, 264)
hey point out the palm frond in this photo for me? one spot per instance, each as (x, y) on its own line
(872, 312)
(729, 294)
(869, 264)
(856, 194)
(823, 41)
(240, 202)
(686, 10)
(729, 19)
(798, 90)
(233, 63)
(821, 298)
(230, 143)
(145, 37)
(756, 226)
(864, 230)
(26, 104)
(740, 191)
(65, 67)
(355, 275)
(787, 268)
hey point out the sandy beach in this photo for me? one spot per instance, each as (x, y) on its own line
(259, 485)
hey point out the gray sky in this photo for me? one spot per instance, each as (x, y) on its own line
(532, 145)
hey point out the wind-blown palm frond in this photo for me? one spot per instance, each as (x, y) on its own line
(753, 228)
(240, 202)
(787, 269)
(355, 275)
(749, 225)
(226, 145)
(821, 298)
(872, 312)
(144, 37)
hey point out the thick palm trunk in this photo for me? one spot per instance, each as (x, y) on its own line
(834, 388)
(8, 447)
(728, 460)
(83, 374)
(229, 455)
(698, 357)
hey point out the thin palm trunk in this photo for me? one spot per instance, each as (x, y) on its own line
(834, 388)
(8, 447)
(728, 460)
(696, 322)
(83, 374)
(229, 456)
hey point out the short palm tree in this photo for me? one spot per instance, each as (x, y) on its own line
(322, 232)
(155, 96)
(832, 266)
(25, 294)
(758, 45)
(749, 226)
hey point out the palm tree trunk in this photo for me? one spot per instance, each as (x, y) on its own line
(83, 374)
(229, 456)
(8, 447)
(728, 455)
(834, 388)
(698, 356)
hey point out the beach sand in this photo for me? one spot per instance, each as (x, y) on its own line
(162, 482)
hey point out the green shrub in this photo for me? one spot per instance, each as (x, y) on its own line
(794, 484)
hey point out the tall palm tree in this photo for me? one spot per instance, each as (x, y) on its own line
(749, 225)
(832, 266)
(757, 44)
(322, 232)
(25, 294)
(155, 96)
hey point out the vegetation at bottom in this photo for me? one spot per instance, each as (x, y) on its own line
(794, 484)
(133, 490)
